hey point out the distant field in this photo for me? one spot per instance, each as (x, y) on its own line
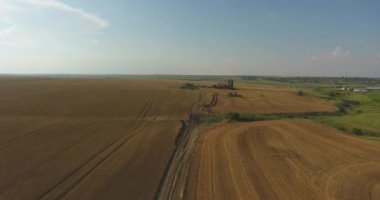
(364, 116)
(284, 159)
(262, 98)
(87, 139)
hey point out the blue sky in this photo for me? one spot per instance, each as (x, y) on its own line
(267, 37)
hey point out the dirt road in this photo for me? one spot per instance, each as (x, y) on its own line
(173, 182)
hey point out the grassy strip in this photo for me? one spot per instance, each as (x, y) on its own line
(250, 117)
(209, 119)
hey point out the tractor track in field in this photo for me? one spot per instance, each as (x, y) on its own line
(142, 115)
(56, 154)
(100, 139)
(65, 186)
(207, 107)
(214, 100)
(21, 137)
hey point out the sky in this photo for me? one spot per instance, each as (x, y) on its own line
(197, 37)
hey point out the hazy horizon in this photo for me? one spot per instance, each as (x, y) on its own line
(270, 38)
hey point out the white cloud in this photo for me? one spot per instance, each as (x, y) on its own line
(10, 37)
(15, 34)
(8, 43)
(99, 22)
(42, 58)
(5, 6)
(95, 42)
(337, 54)
(231, 60)
(5, 33)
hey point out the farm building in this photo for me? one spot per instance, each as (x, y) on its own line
(228, 85)
(367, 89)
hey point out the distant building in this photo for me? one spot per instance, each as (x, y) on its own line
(360, 90)
(346, 89)
(373, 88)
(228, 85)
(366, 89)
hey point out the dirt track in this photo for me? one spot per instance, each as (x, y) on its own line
(285, 159)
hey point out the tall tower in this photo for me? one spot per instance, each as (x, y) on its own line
(230, 84)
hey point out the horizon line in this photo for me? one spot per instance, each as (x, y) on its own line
(158, 74)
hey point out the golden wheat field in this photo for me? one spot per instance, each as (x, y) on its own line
(283, 159)
(87, 139)
(79, 138)
(261, 98)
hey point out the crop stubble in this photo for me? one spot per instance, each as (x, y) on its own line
(87, 139)
(112, 139)
(283, 159)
